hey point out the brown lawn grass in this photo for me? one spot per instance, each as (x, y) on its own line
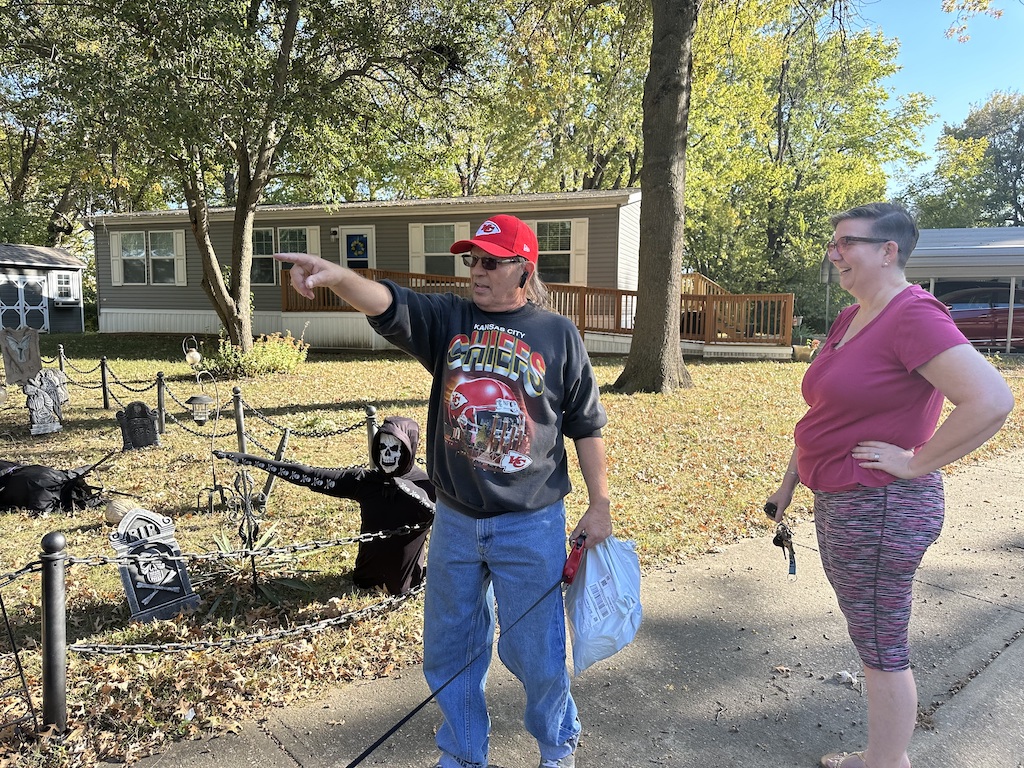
(688, 473)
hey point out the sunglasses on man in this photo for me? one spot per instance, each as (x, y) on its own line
(490, 263)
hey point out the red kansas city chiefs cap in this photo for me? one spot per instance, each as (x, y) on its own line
(504, 237)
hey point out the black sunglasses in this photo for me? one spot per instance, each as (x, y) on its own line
(489, 263)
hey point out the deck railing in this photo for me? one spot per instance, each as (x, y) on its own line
(707, 315)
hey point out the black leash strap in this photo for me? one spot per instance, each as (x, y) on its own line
(567, 577)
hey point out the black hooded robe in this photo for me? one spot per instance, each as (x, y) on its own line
(386, 502)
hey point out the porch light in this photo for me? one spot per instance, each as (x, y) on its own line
(191, 349)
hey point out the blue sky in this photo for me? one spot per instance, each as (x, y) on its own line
(958, 76)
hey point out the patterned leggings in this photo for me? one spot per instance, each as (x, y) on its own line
(871, 542)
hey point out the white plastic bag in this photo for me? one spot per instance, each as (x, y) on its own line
(603, 602)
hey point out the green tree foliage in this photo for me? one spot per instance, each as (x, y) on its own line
(239, 98)
(552, 103)
(955, 194)
(60, 159)
(999, 123)
(978, 180)
(790, 124)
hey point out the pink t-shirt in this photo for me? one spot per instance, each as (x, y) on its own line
(869, 389)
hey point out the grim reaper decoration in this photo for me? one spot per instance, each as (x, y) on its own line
(391, 494)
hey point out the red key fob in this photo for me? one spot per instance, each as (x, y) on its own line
(572, 563)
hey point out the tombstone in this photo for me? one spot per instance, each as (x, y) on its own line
(46, 393)
(138, 426)
(157, 586)
(20, 349)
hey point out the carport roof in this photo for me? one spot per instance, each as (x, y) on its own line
(979, 253)
(38, 256)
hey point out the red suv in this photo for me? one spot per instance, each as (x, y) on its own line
(983, 314)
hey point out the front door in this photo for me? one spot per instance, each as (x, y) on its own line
(358, 247)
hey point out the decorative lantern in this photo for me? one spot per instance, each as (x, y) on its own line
(191, 349)
(200, 405)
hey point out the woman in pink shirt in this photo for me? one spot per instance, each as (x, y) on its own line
(869, 449)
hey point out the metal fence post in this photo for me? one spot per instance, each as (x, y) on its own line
(54, 635)
(371, 429)
(103, 379)
(161, 405)
(60, 357)
(236, 396)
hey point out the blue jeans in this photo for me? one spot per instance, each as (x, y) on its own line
(512, 558)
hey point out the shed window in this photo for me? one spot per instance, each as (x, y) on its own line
(65, 287)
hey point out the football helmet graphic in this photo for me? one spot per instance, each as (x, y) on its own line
(485, 421)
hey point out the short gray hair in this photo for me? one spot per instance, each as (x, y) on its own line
(888, 220)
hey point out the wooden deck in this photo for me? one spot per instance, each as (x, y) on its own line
(709, 316)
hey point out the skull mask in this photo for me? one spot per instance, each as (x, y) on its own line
(390, 456)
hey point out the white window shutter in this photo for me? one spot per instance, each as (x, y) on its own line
(461, 233)
(180, 272)
(116, 270)
(417, 256)
(313, 241)
(578, 249)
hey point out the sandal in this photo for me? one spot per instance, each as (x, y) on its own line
(843, 760)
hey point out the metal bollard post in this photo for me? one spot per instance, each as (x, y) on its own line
(239, 418)
(103, 379)
(55, 638)
(161, 403)
(371, 429)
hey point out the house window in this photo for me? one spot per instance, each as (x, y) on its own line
(263, 271)
(133, 257)
(297, 240)
(554, 239)
(293, 239)
(154, 258)
(437, 241)
(430, 248)
(161, 258)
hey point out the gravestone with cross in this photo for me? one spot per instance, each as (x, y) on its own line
(156, 583)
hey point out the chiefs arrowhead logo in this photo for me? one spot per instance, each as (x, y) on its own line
(489, 228)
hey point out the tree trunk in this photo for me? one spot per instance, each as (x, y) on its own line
(234, 317)
(655, 363)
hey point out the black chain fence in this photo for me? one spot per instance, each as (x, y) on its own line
(239, 506)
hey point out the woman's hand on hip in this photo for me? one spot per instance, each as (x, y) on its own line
(874, 454)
